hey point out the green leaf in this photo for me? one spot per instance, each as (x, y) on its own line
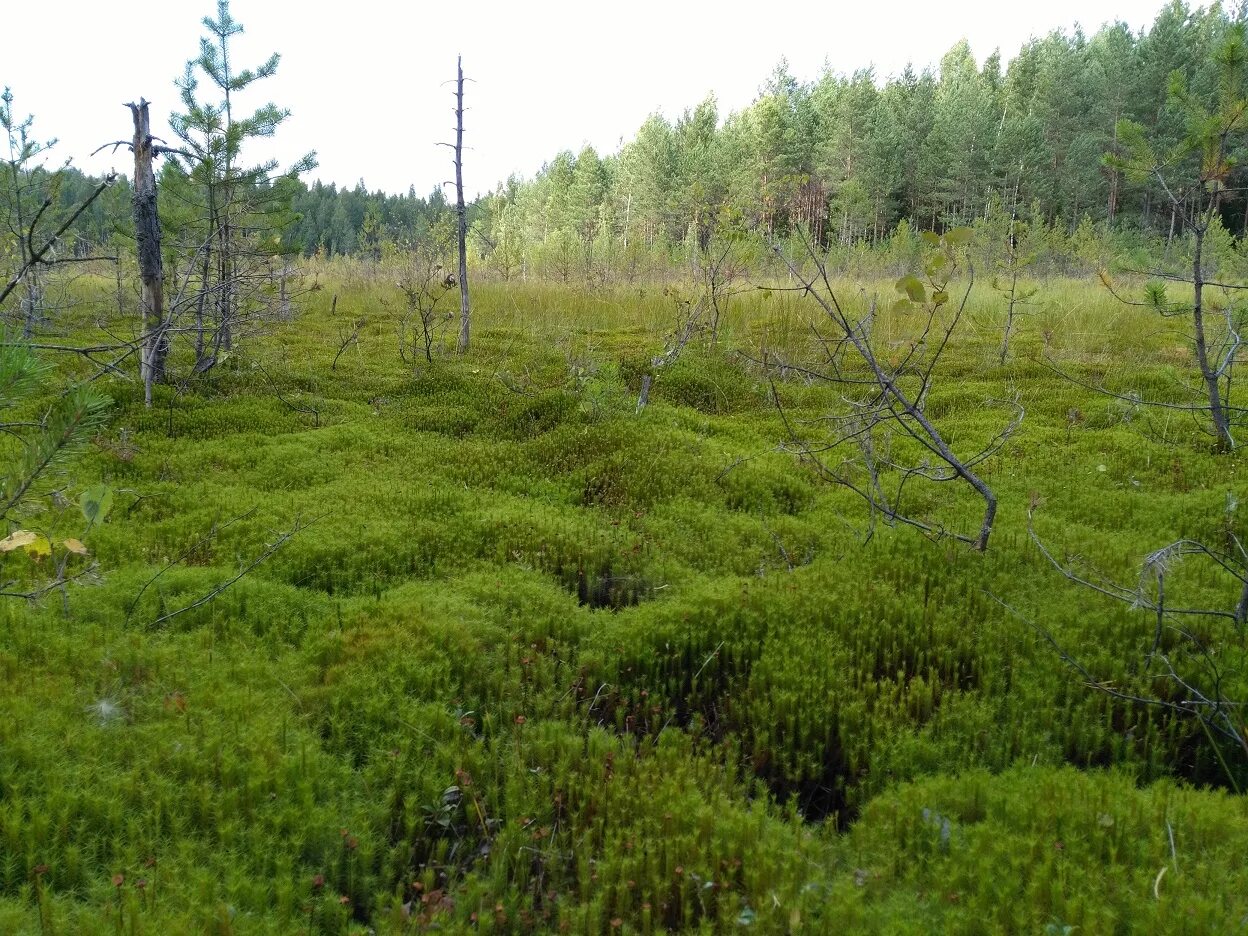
(913, 288)
(959, 236)
(930, 238)
(940, 298)
(96, 504)
(901, 305)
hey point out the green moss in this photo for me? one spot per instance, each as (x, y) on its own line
(547, 662)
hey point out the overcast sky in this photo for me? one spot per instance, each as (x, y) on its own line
(364, 78)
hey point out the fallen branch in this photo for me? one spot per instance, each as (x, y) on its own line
(269, 550)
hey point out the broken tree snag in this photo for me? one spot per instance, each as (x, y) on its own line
(460, 209)
(155, 342)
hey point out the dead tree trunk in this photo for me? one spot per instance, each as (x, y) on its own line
(155, 343)
(460, 210)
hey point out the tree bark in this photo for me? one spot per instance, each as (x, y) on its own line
(201, 301)
(1221, 421)
(461, 210)
(155, 343)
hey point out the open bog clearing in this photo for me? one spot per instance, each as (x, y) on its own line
(825, 512)
(507, 655)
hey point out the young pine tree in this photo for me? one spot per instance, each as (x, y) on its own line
(1193, 176)
(239, 208)
(25, 193)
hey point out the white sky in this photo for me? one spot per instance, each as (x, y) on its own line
(363, 78)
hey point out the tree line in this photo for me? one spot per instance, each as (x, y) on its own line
(847, 157)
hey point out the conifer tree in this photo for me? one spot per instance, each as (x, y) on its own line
(23, 193)
(1194, 177)
(240, 208)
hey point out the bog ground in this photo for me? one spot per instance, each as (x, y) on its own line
(533, 661)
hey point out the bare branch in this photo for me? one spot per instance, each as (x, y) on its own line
(268, 551)
(37, 256)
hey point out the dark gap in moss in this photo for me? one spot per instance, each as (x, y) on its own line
(603, 590)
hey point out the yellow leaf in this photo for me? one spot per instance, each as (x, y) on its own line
(18, 540)
(77, 547)
(36, 544)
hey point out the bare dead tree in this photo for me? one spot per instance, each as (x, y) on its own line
(157, 319)
(283, 294)
(886, 393)
(461, 211)
(155, 341)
